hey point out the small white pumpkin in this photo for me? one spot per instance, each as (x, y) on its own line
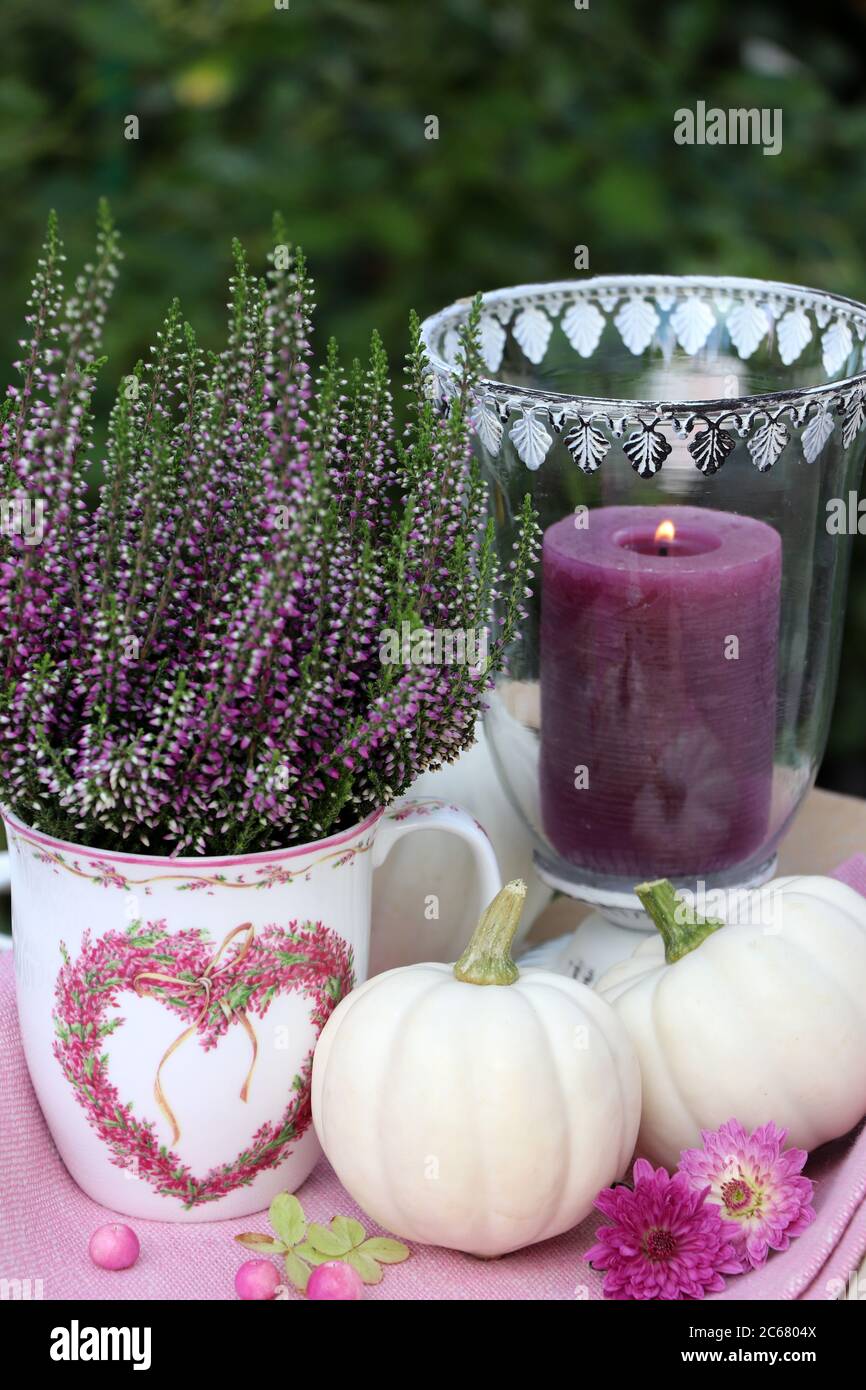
(476, 1106)
(762, 1018)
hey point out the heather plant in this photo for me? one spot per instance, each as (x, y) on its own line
(192, 663)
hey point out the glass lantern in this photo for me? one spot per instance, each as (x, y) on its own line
(691, 446)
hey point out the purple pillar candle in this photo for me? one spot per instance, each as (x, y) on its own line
(658, 689)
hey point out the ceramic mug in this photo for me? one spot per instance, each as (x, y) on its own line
(169, 1008)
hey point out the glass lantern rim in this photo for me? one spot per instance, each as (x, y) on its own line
(829, 308)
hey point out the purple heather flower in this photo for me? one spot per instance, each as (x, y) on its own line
(667, 1242)
(757, 1186)
(193, 665)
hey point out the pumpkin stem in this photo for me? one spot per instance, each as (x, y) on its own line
(680, 928)
(487, 958)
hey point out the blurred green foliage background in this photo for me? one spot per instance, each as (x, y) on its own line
(555, 129)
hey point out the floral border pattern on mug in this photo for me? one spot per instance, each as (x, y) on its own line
(181, 970)
(104, 875)
(427, 806)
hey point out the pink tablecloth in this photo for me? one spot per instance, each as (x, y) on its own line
(45, 1222)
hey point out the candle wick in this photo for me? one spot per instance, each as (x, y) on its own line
(663, 550)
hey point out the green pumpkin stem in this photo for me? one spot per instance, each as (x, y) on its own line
(680, 928)
(487, 958)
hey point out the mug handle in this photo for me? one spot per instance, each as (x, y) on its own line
(429, 813)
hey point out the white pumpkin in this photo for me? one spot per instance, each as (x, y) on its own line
(762, 1018)
(474, 1106)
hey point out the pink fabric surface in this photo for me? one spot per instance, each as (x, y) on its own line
(46, 1222)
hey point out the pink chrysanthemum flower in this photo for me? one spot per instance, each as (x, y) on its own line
(667, 1241)
(759, 1189)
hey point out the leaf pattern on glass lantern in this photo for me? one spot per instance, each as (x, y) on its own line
(637, 322)
(451, 347)
(487, 426)
(816, 434)
(852, 419)
(693, 321)
(586, 444)
(582, 326)
(531, 439)
(491, 336)
(646, 451)
(532, 329)
(748, 325)
(710, 447)
(784, 319)
(766, 446)
(837, 344)
(794, 332)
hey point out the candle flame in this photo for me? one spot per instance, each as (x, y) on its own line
(665, 531)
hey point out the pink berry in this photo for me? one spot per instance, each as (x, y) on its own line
(257, 1279)
(114, 1247)
(335, 1280)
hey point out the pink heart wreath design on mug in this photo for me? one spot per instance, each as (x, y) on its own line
(211, 989)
